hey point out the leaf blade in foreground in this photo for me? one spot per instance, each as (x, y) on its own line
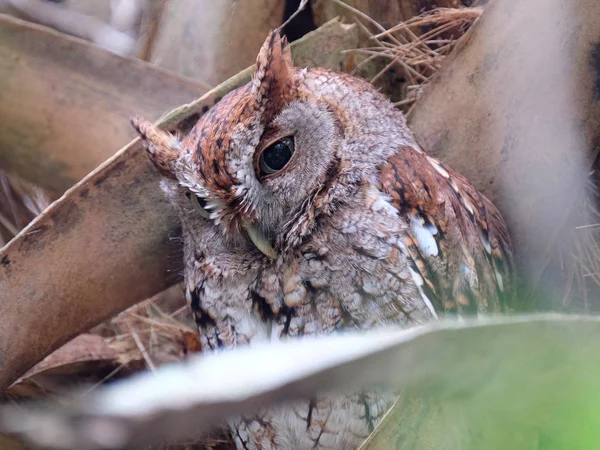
(519, 383)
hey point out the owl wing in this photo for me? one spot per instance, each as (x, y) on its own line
(456, 239)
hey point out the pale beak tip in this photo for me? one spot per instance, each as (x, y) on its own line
(260, 241)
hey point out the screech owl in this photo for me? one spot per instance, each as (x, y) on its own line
(308, 207)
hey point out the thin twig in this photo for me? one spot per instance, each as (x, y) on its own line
(367, 18)
(302, 5)
(101, 382)
(140, 345)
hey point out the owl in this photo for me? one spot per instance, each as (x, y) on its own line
(307, 207)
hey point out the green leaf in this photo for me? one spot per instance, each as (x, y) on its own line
(505, 383)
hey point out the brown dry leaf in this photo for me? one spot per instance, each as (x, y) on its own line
(387, 13)
(212, 41)
(107, 244)
(87, 358)
(148, 334)
(516, 109)
(401, 60)
(91, 254)
(149, 27)
(144, 336)
(57, 128)
(403, 43)
(83, 348)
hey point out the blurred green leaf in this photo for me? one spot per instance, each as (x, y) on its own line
(533, 386)
(506, 383)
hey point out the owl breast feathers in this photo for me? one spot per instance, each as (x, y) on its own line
(307, 206)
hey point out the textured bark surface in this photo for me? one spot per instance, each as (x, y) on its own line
(516, 109)
(212, 41)
(58, 127)
(108, 243)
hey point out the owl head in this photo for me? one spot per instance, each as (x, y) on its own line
(271, 158)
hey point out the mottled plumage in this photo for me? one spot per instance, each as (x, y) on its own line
(359, 228)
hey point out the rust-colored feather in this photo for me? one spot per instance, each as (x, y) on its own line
(272, 84)
(162, 147)
(472, 268)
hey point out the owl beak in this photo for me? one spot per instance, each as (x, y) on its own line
(261, 242)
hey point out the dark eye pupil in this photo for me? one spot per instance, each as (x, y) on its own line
(275, 157)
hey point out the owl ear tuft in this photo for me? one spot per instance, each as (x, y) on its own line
(273, 81)
(163, 148)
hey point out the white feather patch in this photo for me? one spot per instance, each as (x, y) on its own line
(453, 185)
(424, 235)
(466, 271)
(378, 201)
(418, 279)
(468, 205)
(428, 303)
(500, 281)
(431, 228)
(438, 168)
(485, 242)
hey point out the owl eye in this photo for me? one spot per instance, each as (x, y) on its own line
(276, 156)
(199, 203)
